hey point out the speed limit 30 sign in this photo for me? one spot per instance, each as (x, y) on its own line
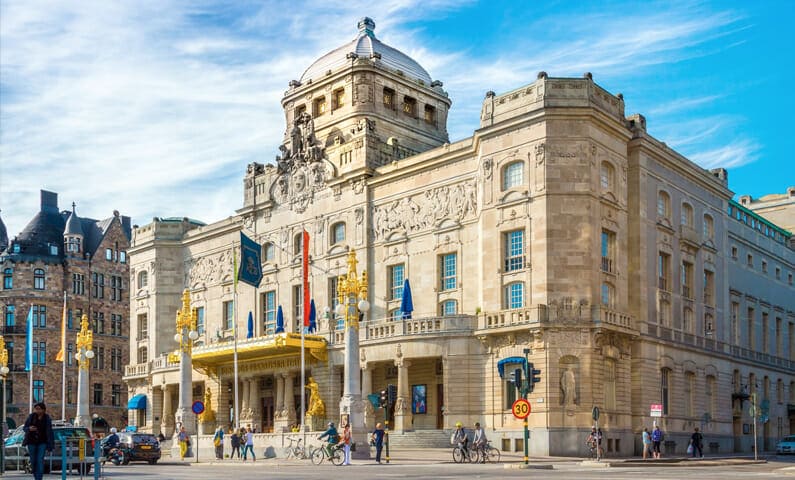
(521, 408)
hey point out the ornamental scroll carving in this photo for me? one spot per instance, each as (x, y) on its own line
(426, 210)
(209, 270)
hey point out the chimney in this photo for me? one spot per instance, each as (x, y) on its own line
(49, 202)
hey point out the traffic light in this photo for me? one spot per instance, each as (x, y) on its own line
(534, 376)
(382, 401)
(516, 379)
(391, 392)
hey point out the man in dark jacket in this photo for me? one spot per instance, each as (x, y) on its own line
(696, 440)
(333, 437)
(38, 438)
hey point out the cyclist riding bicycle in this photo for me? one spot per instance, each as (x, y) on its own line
(594, 442)
(460, 438)
(480, 440)
(333, 437)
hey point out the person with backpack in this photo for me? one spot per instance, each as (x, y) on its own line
(218, 442)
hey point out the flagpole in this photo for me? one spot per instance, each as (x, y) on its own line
(234, 336)
(63, 359)
(305, 323)
(29, 357)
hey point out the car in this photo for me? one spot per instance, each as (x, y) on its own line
(16, 456)
(786, 446)
(137, 447)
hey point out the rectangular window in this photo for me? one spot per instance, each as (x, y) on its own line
(122, 257)
(108, 254)
(608, 250)
(334, 301)
(430, 115)
(779, 340)
(229, 315)
(319, 107)
(764, 266)
(70, 354)
(514, 295)
(665, 392)
(99, 323)
(709, 288)
(610, 384)
(78, 284)
(663, 271)
(40, 353)
(339, 98)
(689, 393)
(116, 324)
(389, 98)
(38, 391)
(396, 282)
(99, 360)
(70, 392)
(115, 282)
(10, 315)
(39, 316)
(143, 326)
(448, 270)
(509, 394)
(115, 395)
(298, 315)
(514, 250)
(98, 285)
(749, 323)
(200, 325)
(97, 394)
(410, 106)
(765, 335)
(687, 279)
(734, 332)
(269, 312)
(750, 260)
(449, 307)
(8, 279)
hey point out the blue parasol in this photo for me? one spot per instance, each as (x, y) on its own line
(279, 320)
(312, 316)
(250, 331)
(406, 305)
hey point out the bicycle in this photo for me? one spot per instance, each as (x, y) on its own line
(592, 453)
(295, 451)
(460, 454)
(321, 453)
(487, 453)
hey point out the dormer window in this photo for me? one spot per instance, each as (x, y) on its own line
(73, 244)
(410, 106)
(319, 107)
(53, 249)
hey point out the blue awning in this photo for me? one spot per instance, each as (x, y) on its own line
(137, 402)
(513, 360)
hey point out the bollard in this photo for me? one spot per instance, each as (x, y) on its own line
(63, 458)
(97, 454)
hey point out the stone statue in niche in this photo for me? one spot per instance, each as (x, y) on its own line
(568, 388)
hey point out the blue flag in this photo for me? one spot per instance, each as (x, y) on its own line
(250, 270)
(29, 341)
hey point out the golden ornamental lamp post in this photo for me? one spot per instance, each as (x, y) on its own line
(85, 352)
(187, 318)
(352, 296)
(4, 374)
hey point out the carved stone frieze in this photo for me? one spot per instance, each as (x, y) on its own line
(210, 269)
(427, 210)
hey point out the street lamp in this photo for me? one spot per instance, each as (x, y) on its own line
(187, 319)
(3, 373)
(352, 297)
(85, 341)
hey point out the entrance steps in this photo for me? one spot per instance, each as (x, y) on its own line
(420, 439)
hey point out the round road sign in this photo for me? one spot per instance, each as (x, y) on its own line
(197, 407)
(521, 408)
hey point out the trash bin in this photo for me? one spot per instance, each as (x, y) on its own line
(714, 447)
(669, 447)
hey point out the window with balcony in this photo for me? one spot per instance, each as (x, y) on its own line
(338, 233)
(608, 250)
(709, 324)
(686, 219)
(607, 176)
(38, 279)
(339, 98)
(10, 316)
(269, 252)
(143, 355)
(8, 278)
(514, 295)
(663, 204)
(229, 315)
(608, 295)
(449, 307)
(664, 313)
(269, 312)
(687, 320)
(663, 271)
(513, 175)
(448, 272)
(665, 389)
(396, 281)
(514, 250)
(687, 279)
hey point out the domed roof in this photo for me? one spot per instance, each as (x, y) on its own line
(74, 226)
(365, 45)
(3, 235)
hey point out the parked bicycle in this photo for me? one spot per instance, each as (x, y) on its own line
(322, 453)
(295, 449)
(464, 455)
(487, 453)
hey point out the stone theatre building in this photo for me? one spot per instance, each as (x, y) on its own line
(561, 226)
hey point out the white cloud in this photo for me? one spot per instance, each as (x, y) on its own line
(735, 154)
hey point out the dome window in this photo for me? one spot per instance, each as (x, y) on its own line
(389, 98)
(410, 106)
(430, 115)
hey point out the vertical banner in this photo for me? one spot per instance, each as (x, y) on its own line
(250, 270)
(29, 341)
(60, 356)
(305, 289)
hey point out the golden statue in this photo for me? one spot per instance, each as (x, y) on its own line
(208, 416)
(316, 406)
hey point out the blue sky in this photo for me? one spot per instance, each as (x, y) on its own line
(155, 108)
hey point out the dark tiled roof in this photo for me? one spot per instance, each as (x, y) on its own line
(73, 225)
(3, 235)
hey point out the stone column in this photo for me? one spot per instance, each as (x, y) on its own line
(185, 415)
(254, 404)
(157, 409)
(403, 402)
(82, 417)
(289, 397)
(166, 423)
(367, 389)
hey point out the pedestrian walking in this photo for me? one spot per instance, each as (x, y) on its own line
(184, 442)
(218, 442)
(646, 437)
(378, 440)
(249, 445)
(696, 440)
(656, 440)
(38, 438)
(234, 441)
(346, 443)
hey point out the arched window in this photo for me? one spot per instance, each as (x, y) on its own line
(608, 294)
(687, 215)
(665, 389)
(664, 313)
(607, 175)
(449, 307)
(8, 279)
(514, 295)
(513, 175)
(143, 279)
(687, 320)
(298, 243)
(269, 252)
(709, 228)
(337, 233)
(38, 279)
(663, 204)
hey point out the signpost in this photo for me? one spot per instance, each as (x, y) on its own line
(521, 409)
(198, 409)
(656, 410)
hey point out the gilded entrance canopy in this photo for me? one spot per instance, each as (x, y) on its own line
(283, 345)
